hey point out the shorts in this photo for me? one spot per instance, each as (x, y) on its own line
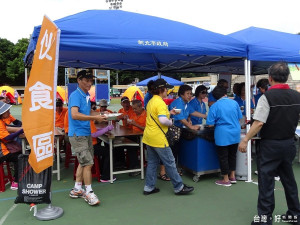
(83, 148)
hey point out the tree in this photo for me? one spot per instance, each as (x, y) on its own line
(11, 61)
(15, 68)
(6, 54)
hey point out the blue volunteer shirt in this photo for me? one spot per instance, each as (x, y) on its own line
(198, 106)
(211, 98)
(241, 102)
(225, 115)
(147, 98)
(81, 100)
(185, 111)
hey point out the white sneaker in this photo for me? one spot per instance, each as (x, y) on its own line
(74, 193)
(277, 178)
(91, 198)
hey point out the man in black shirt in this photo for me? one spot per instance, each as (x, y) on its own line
(276, 118)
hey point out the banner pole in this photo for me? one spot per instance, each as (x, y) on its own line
(40, 103)
(50, 212)
(248, 116)
(53, 212)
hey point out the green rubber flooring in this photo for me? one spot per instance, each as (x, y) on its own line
(123, 203)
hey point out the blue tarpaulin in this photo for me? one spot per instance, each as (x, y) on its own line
(269, 45)
(115, 39)
(264, 47)
(170, 80)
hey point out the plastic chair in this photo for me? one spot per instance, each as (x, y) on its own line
(5, 178)
(95, 169)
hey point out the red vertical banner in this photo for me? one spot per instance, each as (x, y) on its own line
(38, 110)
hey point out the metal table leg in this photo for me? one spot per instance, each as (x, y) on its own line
(58, 158)
(111, 160)
(23, 145)
(142, 157)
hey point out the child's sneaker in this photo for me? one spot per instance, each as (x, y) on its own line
(74, 193)
(14, 186)
(91, 198)
(107, 181)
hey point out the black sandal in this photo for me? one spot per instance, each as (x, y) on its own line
(163, 177)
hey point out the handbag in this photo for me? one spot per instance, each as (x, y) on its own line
(172, 135)
(13, 147)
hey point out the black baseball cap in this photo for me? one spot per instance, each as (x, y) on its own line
(162, 83)
(59, 102)
(125, 98)
(84, 74)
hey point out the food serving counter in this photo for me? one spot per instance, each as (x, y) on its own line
(198, 152)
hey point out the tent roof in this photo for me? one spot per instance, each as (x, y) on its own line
(269, 45)
(170, 80)
(115, 39)
(264, 47)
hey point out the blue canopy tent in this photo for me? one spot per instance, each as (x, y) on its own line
(264, 48)
(170, 80)
(119, 40)
(269, 45)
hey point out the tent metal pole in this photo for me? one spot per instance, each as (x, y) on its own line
(108, 81)
(117, 78)
(66, 85)
(248, 113)
(26, 75)
(158, 75)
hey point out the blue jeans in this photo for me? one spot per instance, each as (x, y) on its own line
(154, 155)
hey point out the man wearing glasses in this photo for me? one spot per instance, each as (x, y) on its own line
(103, 106)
